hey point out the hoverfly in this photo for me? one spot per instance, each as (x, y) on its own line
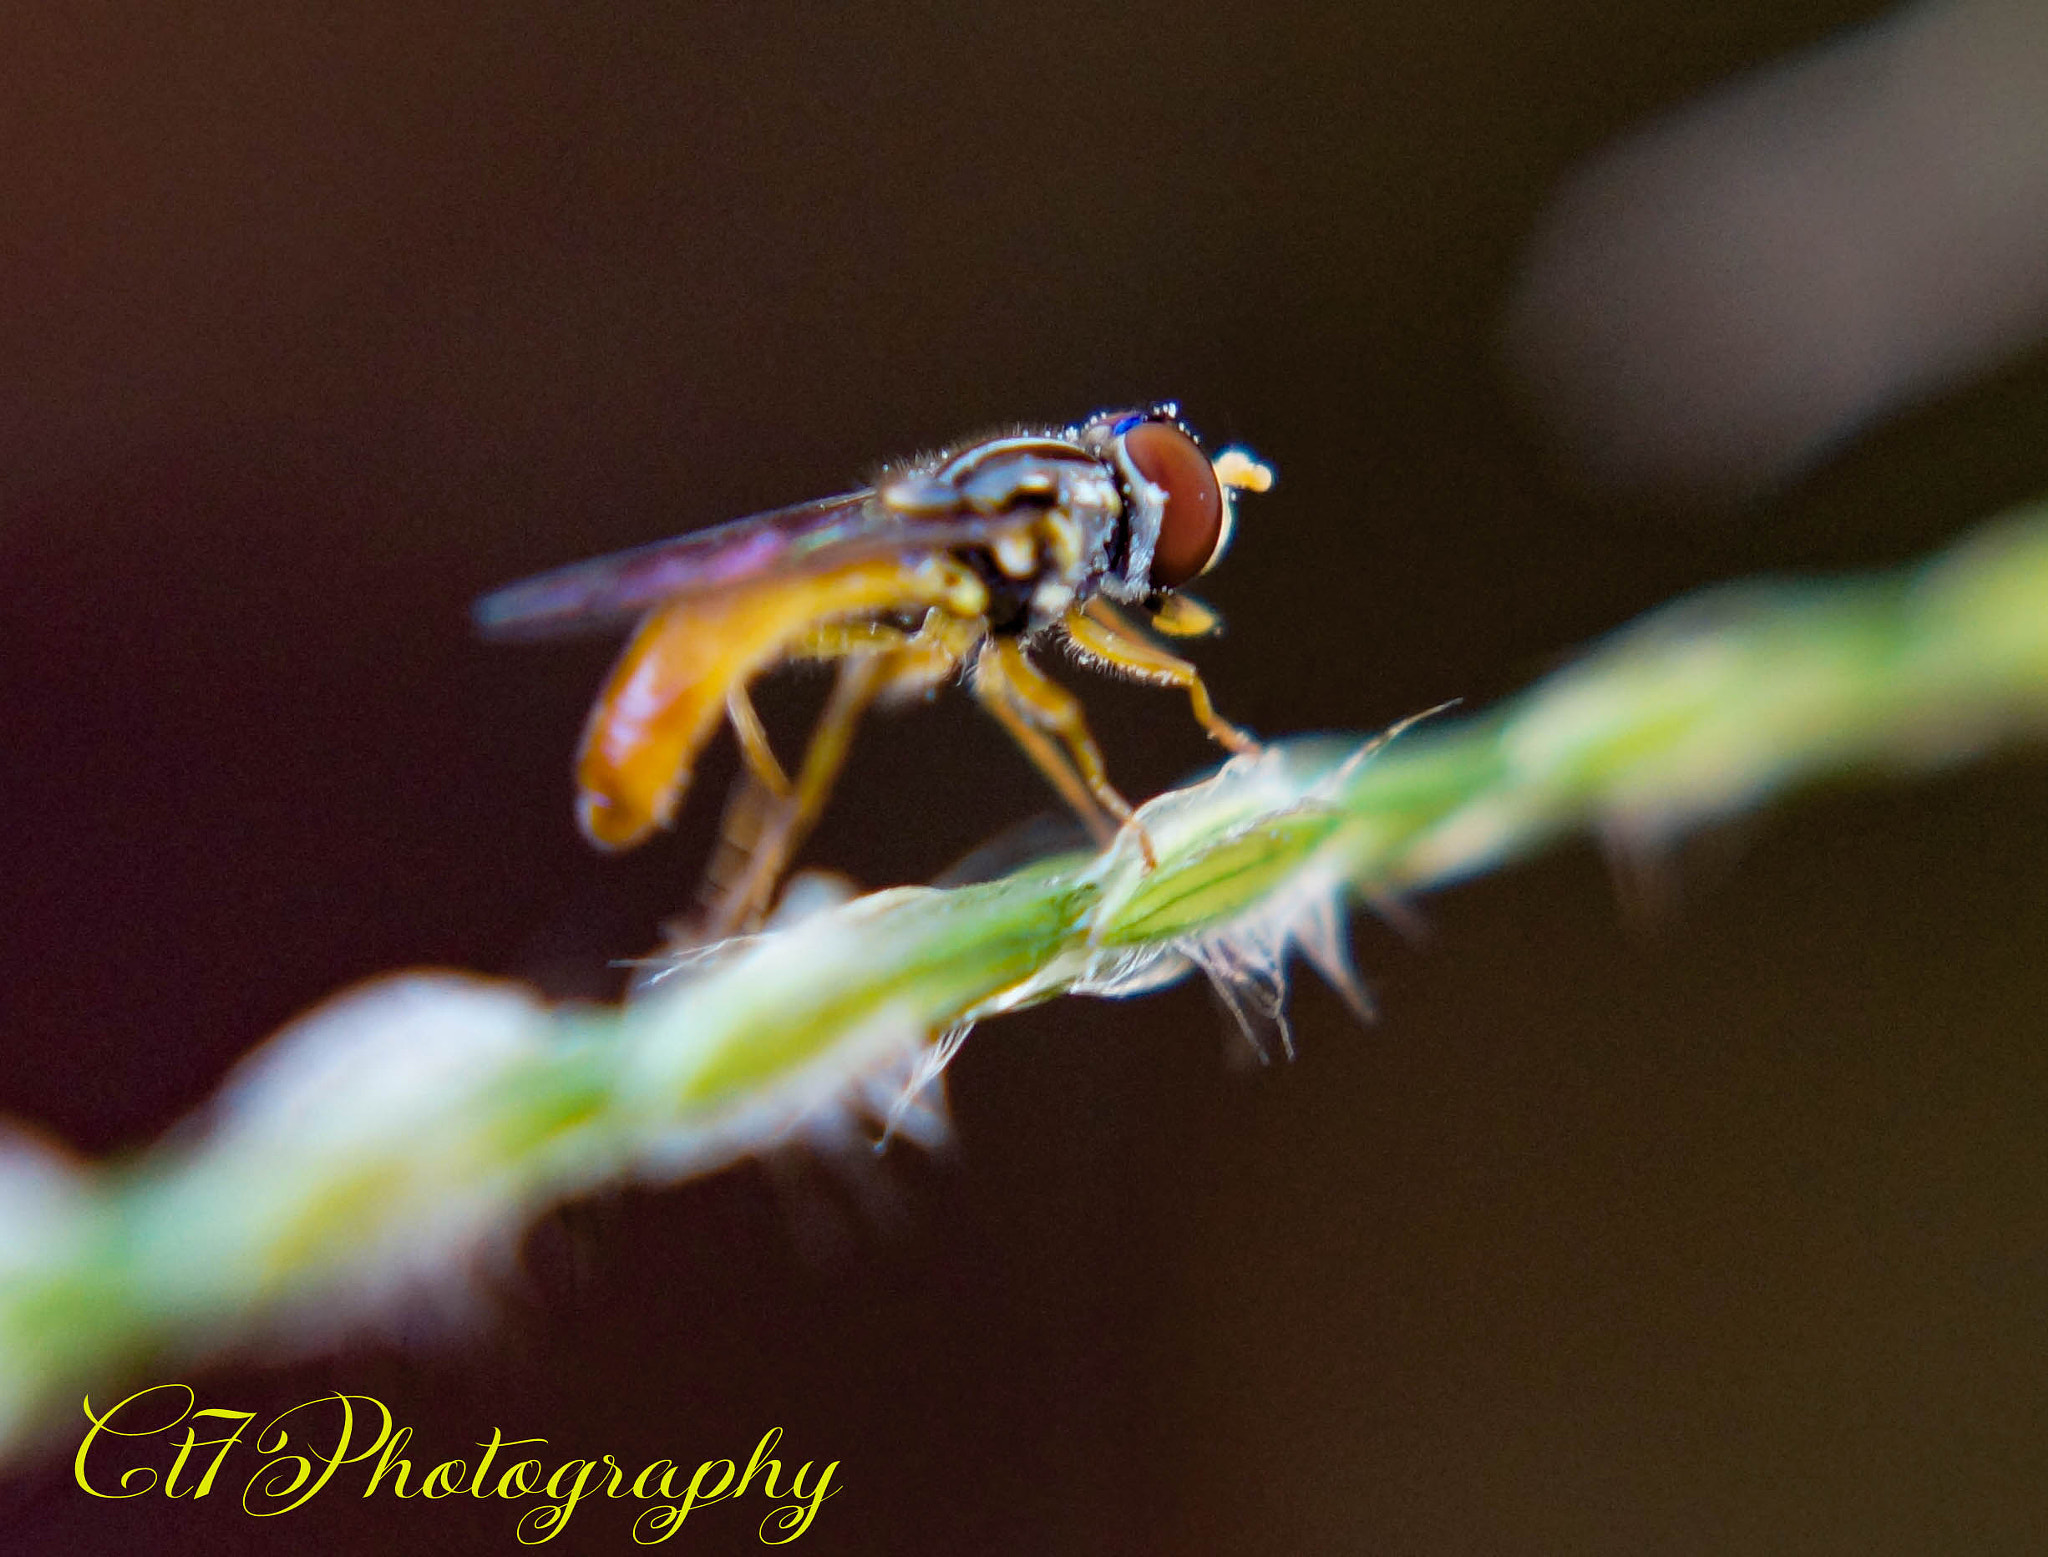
(962, 562)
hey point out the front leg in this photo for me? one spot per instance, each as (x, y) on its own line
(1100, 632)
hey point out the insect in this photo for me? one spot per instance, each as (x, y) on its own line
(961, 562)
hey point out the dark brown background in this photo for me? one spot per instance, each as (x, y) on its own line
(1719, 1232)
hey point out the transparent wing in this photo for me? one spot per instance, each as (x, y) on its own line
(610, 591)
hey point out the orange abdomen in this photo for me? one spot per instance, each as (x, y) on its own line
(666, 695)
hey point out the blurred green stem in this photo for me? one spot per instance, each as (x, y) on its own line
(395, 1139)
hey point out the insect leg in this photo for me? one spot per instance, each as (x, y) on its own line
(766, 823)
(758, 832)
(1046, 720)
(1098, 630)
(920, 658)
(842, 640)
(755, 795)
(746, 727)
(748, 810)
(764, 830)
(874, 660)
(1047, 757)
(917, 661)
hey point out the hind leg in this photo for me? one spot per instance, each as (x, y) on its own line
(770, 814)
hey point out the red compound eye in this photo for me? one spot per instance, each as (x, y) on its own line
(1191, 533)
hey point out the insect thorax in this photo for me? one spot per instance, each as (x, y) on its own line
(1057, 531)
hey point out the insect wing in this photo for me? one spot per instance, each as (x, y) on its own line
(809, 538)
(609, 591)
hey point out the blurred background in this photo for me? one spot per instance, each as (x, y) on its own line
(1712, 1227)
